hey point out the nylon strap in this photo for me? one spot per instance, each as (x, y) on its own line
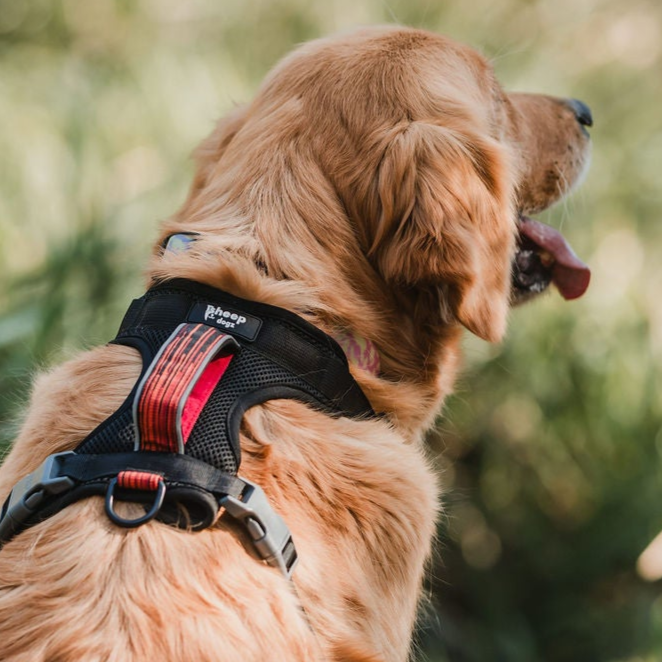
(177, 385)
(180, 469)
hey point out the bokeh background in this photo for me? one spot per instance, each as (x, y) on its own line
(550, 450)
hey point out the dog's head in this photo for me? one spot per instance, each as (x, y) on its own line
(396, 154)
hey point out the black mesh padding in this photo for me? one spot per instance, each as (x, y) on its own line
(116, 434)
(113, 436)
(211, 439)
(289, 359)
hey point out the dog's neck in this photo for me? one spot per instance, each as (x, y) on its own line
(404, 367)
(361, 352)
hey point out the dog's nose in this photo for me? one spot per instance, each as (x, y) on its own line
(582, 112)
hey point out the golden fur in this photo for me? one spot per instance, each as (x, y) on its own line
(372, 186)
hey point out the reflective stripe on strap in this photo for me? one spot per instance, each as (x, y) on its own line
(177, 385)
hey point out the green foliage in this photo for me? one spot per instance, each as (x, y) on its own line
(550, 450)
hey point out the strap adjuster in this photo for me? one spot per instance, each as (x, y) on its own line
(267, 530)
(31, 492)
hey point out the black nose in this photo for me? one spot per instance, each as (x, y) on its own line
(582, 112)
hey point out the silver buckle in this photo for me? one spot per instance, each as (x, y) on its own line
(268, 531)
(30, 493)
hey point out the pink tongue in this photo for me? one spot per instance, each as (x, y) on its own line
(570, 275)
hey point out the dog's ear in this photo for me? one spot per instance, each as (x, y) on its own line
(445, 218)
(208, 155)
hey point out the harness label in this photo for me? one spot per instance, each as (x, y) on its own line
(230, 320)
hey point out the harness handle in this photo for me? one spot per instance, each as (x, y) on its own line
(177, 384)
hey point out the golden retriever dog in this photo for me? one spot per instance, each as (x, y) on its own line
(377, 186)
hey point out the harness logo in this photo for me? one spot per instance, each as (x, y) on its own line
(223, 317)
(234, 322)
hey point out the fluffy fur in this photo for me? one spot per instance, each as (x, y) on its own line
(373, 186)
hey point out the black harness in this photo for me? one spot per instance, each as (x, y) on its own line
(275, 354)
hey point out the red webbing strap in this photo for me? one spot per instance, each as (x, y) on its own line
(139, 480)
(178, 384)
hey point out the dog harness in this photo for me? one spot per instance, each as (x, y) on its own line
(173, 445)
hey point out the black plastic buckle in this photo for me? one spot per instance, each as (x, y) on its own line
(268, 531)
(31, 493)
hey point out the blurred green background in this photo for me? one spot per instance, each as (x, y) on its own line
(551, 448)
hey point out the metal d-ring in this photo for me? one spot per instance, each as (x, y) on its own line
(132, 523)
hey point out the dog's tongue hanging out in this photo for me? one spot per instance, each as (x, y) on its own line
(570, 275)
